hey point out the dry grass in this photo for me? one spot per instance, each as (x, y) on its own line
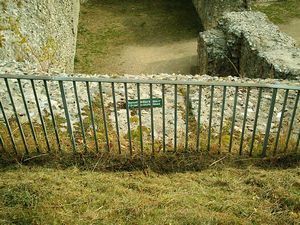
(230, 191)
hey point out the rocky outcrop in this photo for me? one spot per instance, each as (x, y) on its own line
(210, 11)
(249, 45)
(42, 32)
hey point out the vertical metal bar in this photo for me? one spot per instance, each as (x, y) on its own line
(270, 117)
(140, 117)
(292, 121)
(92, 115)
(116, 116)
(64, 100)
(298, 142)
(2, 149)
(16, 115)
(255, 120)
(222, 117)
(198, 119)
(8, 128)
(244, 120)
(40, 114)
(281, 120)
(233, 118)
(52, 115)
(164, 118)
(104, 117)
(28, 117)
(187, 112)
(210, 116)
(128, 119)
(79, 116)
(152, 120)
(175, 118)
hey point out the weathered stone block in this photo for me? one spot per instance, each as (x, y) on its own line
(251, 43)
(43, 32)
(213, 54)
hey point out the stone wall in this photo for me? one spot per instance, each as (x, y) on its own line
(247, 44)
(57, 105)
(43, 32)
(210, 11)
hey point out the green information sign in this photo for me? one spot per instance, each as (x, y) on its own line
(145, 103)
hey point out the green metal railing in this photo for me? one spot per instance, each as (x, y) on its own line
(106, 122)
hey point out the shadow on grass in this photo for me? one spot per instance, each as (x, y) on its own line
(146, 21)
(163, 163)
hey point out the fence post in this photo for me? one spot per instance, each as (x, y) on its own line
(187, 111)
(222, 118)
(244, 121)
(52, 115)
(2, 149)
(175, 117)
(128, 119)
(233, 118)
(79, 116)
(40, 114)
(292, 121)
(210, 116)
(140, 118)
(116, 115)
(152, 119)
(164, 118)
(270, 117)
(281, 120)
(17, 117)
(104, 116)
(199, 118)
(64, 100)
(28, 117)
(8, 128)
(255, 121)
(92, 115)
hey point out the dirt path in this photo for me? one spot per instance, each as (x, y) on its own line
(177, 58)
(145, 36)
(293, 29)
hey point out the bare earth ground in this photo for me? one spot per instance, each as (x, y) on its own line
(177, 58)
(147, 36)
(292, 28)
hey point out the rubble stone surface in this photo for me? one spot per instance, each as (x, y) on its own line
(252, 45)
(57, 105)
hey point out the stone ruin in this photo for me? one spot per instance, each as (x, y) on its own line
(38, 38)
(243, 43)
(235, 40)
(40, 32)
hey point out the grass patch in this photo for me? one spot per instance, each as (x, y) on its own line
(105, 27)
(280, 11)
(220, 194)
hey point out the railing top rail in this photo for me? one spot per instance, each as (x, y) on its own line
(140, 81)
